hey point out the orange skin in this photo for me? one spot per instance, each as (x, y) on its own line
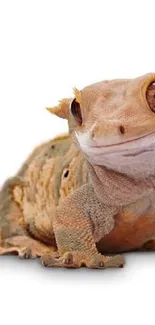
(129, 236)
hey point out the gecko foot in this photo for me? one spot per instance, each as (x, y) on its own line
(102, 262)
(74, 260)
(50, 260)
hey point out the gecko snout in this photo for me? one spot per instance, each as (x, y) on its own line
(150, 96)
(97, 131)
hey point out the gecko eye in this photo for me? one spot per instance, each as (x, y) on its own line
(150, 96)
(76, 111)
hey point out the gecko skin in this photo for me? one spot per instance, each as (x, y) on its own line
(81, 197)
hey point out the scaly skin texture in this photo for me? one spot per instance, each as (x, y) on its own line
(92, 191)
(28, 200)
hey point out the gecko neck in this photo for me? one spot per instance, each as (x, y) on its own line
(118, 189)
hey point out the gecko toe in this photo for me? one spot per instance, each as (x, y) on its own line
(26, 253)
(68, 259)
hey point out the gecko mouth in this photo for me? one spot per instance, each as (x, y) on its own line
(125, 142)
(129, 148)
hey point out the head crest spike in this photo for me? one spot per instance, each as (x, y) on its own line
(77, 94)
(62, 109)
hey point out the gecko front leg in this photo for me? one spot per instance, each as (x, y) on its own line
(76, 230)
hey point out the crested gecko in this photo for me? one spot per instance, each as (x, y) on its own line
(84, 198)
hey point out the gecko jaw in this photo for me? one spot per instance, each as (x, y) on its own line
(130, 147)
(125, 142)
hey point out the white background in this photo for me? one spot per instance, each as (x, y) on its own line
(47, 48)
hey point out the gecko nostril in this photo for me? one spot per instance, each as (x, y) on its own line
(66, 173)
(93, 131)
(122, 129)
(92, 134)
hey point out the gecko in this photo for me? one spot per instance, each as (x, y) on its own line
(84, 198)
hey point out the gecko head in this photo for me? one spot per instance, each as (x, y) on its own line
(113, 122)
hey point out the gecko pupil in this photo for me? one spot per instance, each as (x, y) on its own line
(76, 111)
(150, 96)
